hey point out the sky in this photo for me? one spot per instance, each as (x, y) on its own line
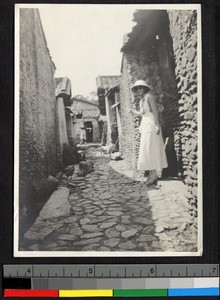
(85, 40)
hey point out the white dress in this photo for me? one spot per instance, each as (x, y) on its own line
(82, 134)
(152, 155)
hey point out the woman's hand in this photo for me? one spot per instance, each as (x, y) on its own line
(157, 129)
(166, 142)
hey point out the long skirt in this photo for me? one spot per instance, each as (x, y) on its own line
(152, 155)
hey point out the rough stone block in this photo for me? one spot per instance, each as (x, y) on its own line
(57, 205)
(191, 54)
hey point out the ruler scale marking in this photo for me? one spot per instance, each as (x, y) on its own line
(199, 272)
(206, 278)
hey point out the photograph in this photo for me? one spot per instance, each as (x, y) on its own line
(108, 130)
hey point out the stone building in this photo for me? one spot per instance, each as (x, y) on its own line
(162, 50)
(109, 104)
(89, 119)
(37, 143)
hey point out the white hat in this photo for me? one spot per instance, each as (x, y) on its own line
(140, 83)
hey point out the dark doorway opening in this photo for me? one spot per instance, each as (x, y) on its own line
(89, 131)
(170, 115)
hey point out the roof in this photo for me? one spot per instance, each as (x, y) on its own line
(63, 86)
(71, 110)
(107, 82)
(90, 113)
(149, 24)
(85, 101)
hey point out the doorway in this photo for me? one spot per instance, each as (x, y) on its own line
(171, 114)
(89, 131)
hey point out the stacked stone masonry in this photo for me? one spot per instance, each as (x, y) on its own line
(171, 73)
(37, 100)
(183, 29)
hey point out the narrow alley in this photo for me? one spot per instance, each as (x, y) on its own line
(108, 159)
(107, 210)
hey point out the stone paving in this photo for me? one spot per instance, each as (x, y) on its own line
(107, 210)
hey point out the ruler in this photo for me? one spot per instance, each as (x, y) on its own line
(144, 280)
(112, 271)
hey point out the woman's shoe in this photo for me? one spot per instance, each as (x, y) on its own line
(145, 177)
(152, 181)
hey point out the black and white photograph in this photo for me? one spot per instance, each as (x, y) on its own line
(108, 130)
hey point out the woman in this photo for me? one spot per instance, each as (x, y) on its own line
(82, 135)
(152, 155)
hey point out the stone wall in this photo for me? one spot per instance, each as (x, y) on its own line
(126, 140)
(108, 119)
(37, 147)
(61, 129)
(183, 29)
(112, 134)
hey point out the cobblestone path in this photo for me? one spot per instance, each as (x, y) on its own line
(109, 211)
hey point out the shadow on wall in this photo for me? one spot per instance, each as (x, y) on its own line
(30, 204)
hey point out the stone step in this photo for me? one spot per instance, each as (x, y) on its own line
(173, 185)
(57, 206)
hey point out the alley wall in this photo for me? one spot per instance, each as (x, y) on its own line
(169, 67)
(37, 100)
(183, 29)
(62, 138)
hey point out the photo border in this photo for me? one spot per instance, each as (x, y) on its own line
(18, 253)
